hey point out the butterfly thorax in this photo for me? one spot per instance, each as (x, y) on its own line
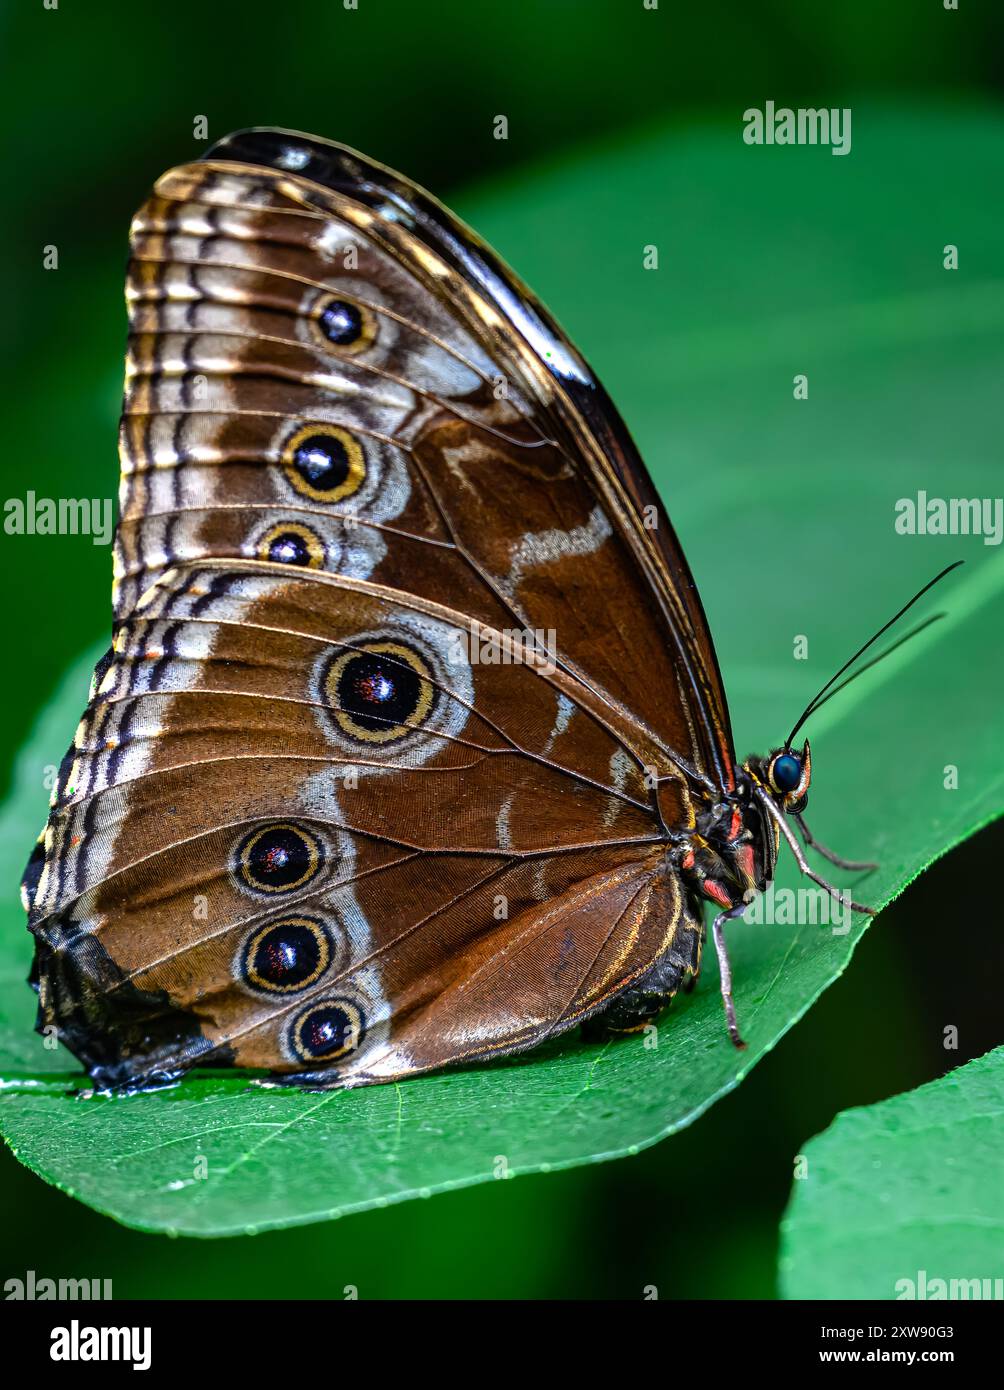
(721, 857)
(731, 854)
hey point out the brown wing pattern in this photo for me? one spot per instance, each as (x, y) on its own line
(471, 879)
(325, 809)
(514, 505)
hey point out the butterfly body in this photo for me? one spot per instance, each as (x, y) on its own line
(411, 747)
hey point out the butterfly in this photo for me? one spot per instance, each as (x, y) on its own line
(411, 747)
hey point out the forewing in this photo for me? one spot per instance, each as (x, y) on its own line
(475, 457)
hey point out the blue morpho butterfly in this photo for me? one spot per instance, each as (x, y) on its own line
(411, 747)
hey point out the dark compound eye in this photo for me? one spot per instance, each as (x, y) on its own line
(287, 955)
(328, 1030)
(326, 465)
(379, 694)
(279, 858)
(786, 772)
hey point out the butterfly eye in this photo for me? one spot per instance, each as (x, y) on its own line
(289, 543)
(326, 464)
(379, 693)
(789, 775)
(785, 772)
(327, 1030)
(278, 858)
(286, 956)
(344, 325)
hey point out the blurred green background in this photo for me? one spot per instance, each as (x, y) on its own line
(99, 98)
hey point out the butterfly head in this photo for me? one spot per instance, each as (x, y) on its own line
(788, 774)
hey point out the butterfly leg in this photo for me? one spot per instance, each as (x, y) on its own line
(725, 969)
(801, 860)
(690, 980)
(810, 840)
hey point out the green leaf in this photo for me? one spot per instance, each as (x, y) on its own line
(773, 262)
(904, 1193)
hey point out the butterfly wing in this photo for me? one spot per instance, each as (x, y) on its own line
(347, 427)
(446, 440)
(245, 863)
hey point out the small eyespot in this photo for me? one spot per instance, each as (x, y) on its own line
(344, 325)
(785, 772)
(290, 543)
(325, 463)
(278, 858)
(327, 1030)
(293, 157)
(286, 956)
(379, 692)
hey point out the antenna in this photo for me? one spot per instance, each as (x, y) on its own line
(821, 696)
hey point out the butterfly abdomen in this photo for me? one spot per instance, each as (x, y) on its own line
(675, 969)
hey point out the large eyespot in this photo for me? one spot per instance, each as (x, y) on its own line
(400, 690)
(342, 324)
(278, 858)
(327, 1030)
(324, 462)
(379, 692)
(286, 956)
(290, 543)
